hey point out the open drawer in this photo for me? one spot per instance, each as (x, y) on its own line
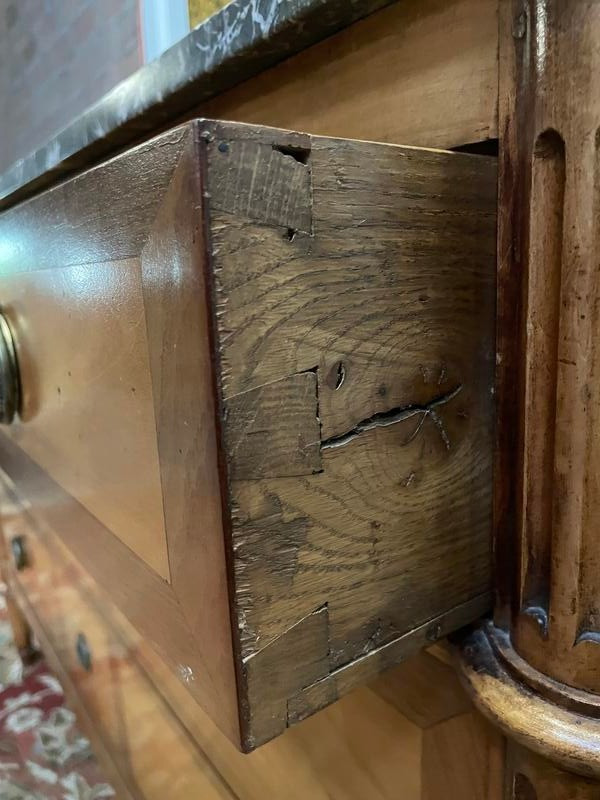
(256, 374)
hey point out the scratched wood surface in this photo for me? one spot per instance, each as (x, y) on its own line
(354, 302)
(311, 326)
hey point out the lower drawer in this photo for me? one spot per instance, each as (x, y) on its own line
(130, 725)
(411, 733)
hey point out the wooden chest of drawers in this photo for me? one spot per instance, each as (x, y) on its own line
(252, 464)
(256, 375)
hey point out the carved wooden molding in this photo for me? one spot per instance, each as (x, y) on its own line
(537, 672)
(549, 188)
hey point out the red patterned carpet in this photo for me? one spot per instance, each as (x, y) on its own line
(43, 756)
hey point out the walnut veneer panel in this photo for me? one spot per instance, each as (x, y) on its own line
(130, 228)
(78, 383)
(318, 352)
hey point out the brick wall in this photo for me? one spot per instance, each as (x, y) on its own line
(57, 57)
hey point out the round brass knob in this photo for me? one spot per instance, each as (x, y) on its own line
(10, 390)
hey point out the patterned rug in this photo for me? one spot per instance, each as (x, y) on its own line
(43, 756)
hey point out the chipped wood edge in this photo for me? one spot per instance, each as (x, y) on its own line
(301, 702)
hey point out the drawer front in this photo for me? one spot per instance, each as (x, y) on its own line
(82, 292)
(256, 372)
(80, 387)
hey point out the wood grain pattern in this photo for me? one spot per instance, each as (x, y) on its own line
(274, 429)
(536, 672)
(309, 323)
(422, 73)
(145, 255)
(550, 195)
(392, 325)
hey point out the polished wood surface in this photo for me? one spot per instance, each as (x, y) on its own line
(123, 225)
(535, 778)
(536, 671)
(419, 73)
(542, 716)
(115, 701)
(77, 385)
(411, 733)
(309, 353)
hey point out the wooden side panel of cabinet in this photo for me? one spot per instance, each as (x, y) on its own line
(257, 379)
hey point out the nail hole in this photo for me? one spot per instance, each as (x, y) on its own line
(299, 154)
(291, 234)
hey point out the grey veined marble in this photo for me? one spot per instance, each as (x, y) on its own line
(239, 41)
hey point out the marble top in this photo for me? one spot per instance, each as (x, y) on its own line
(242, 39)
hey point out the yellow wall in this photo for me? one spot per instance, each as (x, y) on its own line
(202, 9)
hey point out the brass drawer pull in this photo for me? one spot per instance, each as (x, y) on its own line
(10, 394)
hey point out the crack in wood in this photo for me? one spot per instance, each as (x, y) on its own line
(393, 416)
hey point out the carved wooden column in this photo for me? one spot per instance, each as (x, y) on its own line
(536, 669)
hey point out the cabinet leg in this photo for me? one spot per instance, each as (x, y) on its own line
(535, 671)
